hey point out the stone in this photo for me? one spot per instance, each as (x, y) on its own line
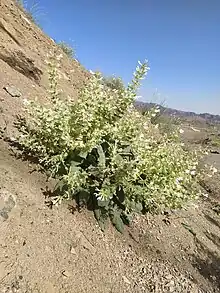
(66, 274)
(72, 250)
(125, 279)
(84, 242)
(25, 18)
(7, 203)
(19, 61)
(13, 91)
(9, 30)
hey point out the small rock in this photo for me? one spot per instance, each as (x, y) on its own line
(84, 242)
(7, 203)
(25, 19)
(125, 279)
(13, 91)
(169, 277)
(172, 289)
(66, 274)
(72, 250)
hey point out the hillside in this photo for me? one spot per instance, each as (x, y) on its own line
(59, 249)
(181, 114)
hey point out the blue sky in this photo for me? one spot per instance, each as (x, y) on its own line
(180, 38)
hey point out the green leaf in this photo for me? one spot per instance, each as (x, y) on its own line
(60, 185)
(101, 154)
(138, 207)
(117, 221)
(127, 150)
(126, 218)
(118, 159)
(102, 218)
(74, 168)
(120, 195)
(103, 203)
(83, 155)
(97, 213)
(74, 164)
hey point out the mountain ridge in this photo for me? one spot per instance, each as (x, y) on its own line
(143, 106)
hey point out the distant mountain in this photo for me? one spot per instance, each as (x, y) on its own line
(143, 106)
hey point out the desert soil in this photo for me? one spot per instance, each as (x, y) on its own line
(60, 251)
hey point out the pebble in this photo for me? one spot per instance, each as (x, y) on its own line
(72, 250)
(66, 274)
(125, 279)
(13, 91)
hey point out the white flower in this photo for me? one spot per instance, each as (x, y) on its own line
(178, 180)
(145, 125)
(26, 102)
(193, 172)
(153, 114)
(181, 131)
(213, 169)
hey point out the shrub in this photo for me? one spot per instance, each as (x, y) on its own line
(113, 82)
(32, 9)
(67, 49)
(108, 155)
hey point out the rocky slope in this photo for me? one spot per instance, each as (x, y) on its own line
(61, 251)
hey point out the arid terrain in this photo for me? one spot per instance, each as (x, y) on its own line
(59, 250)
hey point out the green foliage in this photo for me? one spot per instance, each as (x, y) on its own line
(106, 154)
(215, 141)
(167, 123)
(67, 49)
(114, 83)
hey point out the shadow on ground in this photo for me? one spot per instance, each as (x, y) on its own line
(207, 261)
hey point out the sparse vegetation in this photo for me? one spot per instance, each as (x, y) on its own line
(113, 82)
(67, 49)
(32, 10)
(108, 155)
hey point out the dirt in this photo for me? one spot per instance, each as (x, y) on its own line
(60, 251)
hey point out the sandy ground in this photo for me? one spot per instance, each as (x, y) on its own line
(58, 251)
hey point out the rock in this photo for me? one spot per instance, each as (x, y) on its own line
(125, 279)
(66, 274)
(19, 61)
(7, 203)
(72, 250)
(7, 28)
(169, 277)
(13, 91)
(25, 18)
(84, 242)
